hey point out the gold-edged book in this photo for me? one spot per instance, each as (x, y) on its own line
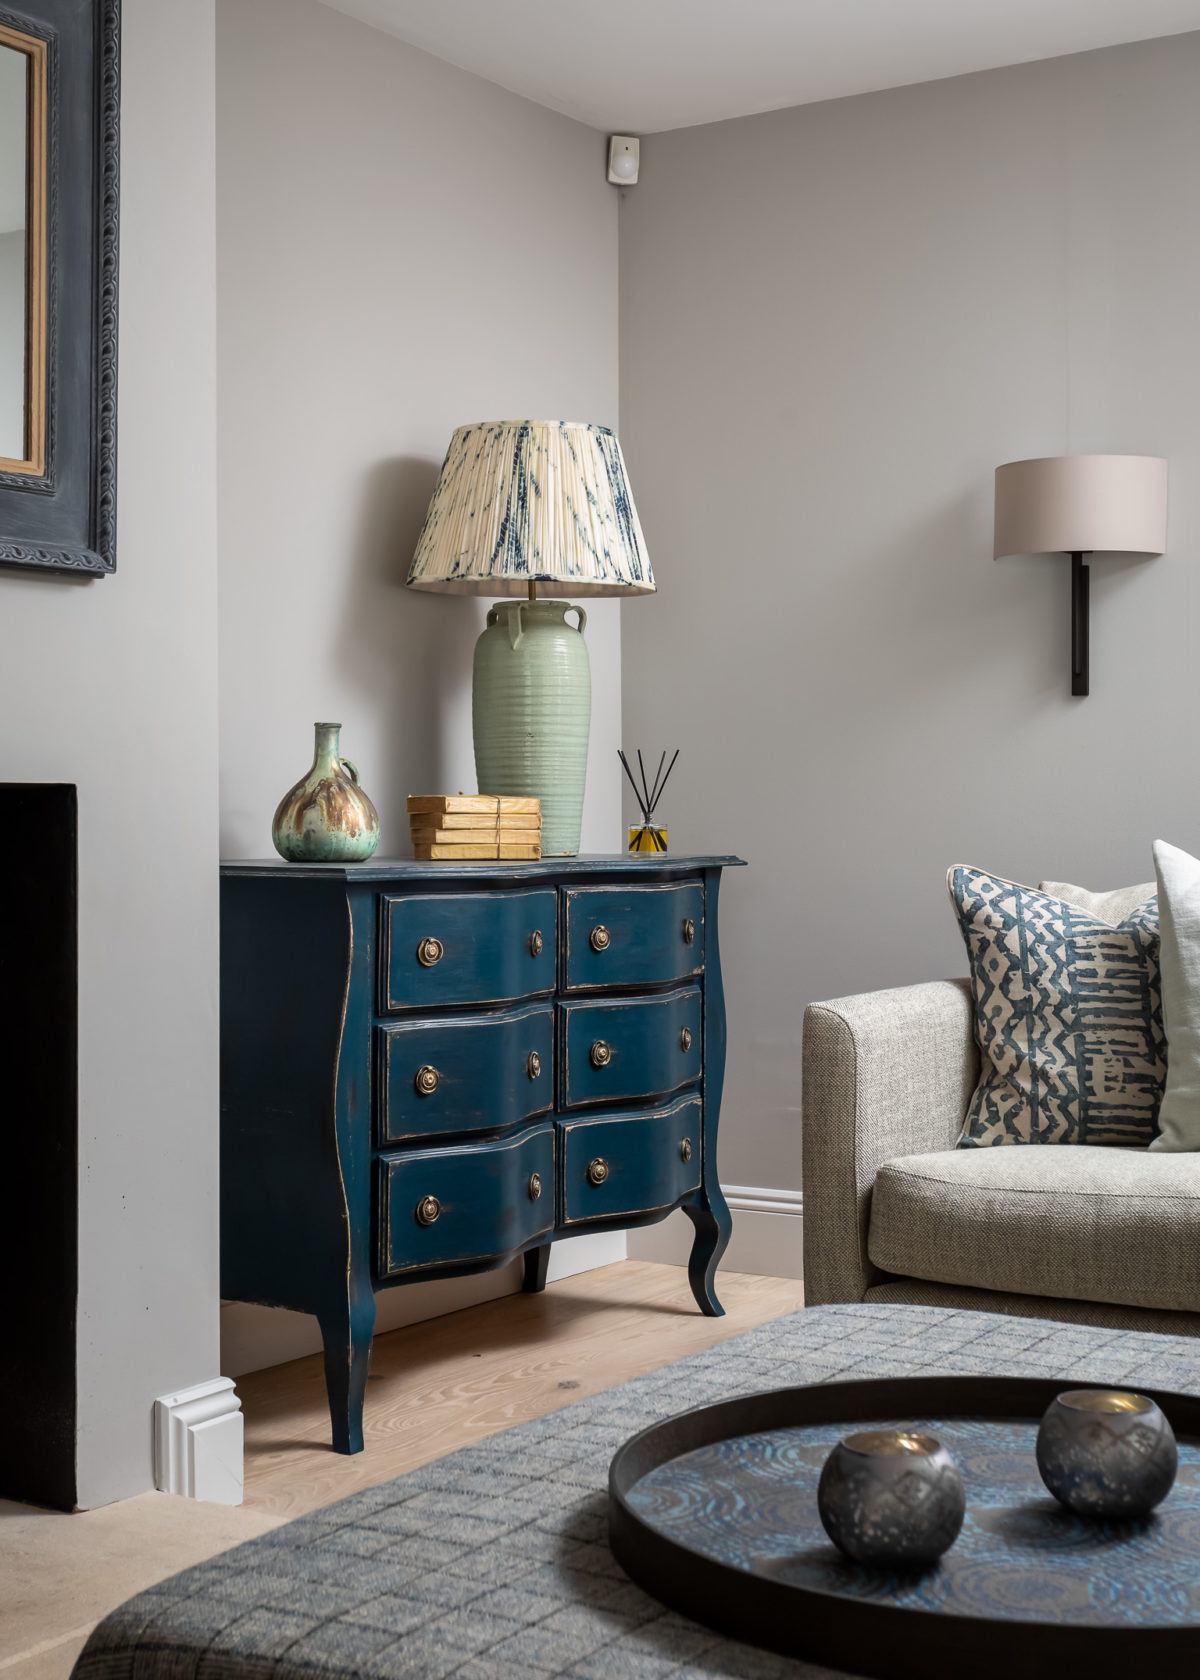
(468, 820)
(432, 854)
(514, 836)
(476, 804)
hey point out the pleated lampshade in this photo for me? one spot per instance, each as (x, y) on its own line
(532, 501)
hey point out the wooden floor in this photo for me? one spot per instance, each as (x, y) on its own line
(442, 1384)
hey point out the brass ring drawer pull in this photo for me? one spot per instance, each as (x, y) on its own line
(597, 1170)
(535, 943)
(685, 1150)
(430, 951)
(601, 1054)
(601, 938)
(685, 1039)
(428, 1209)
(533, 1067)
(535, 1186)
(427, 1081)
(689, 930)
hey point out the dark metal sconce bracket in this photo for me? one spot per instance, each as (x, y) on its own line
(1080, 626)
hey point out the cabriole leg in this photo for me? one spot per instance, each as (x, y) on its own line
(713, 1223)
(536, 1262)
(346, 1330)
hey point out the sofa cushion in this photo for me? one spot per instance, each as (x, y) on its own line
(1075, 1221)
(1068, 1017)
(1179, 913)
(1111, 907)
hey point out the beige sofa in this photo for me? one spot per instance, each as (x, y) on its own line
(893, 1212)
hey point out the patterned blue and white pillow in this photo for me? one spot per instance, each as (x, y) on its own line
(1068, 1017)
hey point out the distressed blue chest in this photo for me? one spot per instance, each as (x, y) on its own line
(428, 1070)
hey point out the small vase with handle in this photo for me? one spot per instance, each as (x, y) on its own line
(326, 817)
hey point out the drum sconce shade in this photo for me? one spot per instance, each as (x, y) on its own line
(1081, 505)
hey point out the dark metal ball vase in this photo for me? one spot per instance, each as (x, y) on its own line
(891, 1498)
(1103, 1453)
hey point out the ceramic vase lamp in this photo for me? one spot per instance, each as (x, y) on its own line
(524, 509)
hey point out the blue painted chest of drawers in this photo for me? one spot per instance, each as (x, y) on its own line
(429, 1069)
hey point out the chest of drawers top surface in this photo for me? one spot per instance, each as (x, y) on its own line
(546, 869)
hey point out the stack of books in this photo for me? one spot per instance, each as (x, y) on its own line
(474, 825)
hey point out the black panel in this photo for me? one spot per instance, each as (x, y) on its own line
(38, 1006)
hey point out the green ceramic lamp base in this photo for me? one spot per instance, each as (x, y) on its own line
(531, 706)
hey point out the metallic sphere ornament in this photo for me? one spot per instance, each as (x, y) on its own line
(891, 1497)
(1104, 1453)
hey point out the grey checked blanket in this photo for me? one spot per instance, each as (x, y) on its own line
(492, 1563)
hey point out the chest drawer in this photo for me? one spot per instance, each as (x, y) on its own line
(624, 1048)
(441, 948)
(633, 936)
(629, 1163)
(447, 1207)
(468, 1073)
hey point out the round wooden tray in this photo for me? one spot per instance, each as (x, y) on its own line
(731, 1537)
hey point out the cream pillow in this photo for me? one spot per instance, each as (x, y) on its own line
(1110, 907)
(1179, 956)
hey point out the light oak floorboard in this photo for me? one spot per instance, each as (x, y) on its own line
(60, 1572)
(450, 1381)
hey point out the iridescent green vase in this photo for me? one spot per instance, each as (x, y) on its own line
(326, 817)
(531, 705)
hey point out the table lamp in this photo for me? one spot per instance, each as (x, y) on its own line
(522, 505)
(1081, 505)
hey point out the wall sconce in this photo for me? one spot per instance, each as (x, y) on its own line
(1081, 505)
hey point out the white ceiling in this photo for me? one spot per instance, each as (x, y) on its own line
(640, 66)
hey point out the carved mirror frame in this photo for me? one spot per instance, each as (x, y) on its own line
(58, 504)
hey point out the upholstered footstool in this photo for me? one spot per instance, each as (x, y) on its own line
(493, 1563)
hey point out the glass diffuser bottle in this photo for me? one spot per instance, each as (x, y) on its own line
(648, 836)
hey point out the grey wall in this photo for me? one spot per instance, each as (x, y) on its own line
(402, 247)
(835, 322)
(112, 684)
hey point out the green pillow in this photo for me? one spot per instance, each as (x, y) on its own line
(1068, 1017)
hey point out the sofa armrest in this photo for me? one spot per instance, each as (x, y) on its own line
(885, 1074)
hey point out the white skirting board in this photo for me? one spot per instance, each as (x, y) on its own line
(198, 1442)
(254, 1337)
(767, 1240)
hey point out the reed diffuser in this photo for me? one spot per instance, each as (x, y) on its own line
(649, 836)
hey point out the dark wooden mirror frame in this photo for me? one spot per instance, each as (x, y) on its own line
(62, 518)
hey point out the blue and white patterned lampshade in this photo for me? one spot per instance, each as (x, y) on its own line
(532, 501)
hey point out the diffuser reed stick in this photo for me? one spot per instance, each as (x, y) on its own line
(648, 838)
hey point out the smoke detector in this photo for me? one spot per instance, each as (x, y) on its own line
(624, 155)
